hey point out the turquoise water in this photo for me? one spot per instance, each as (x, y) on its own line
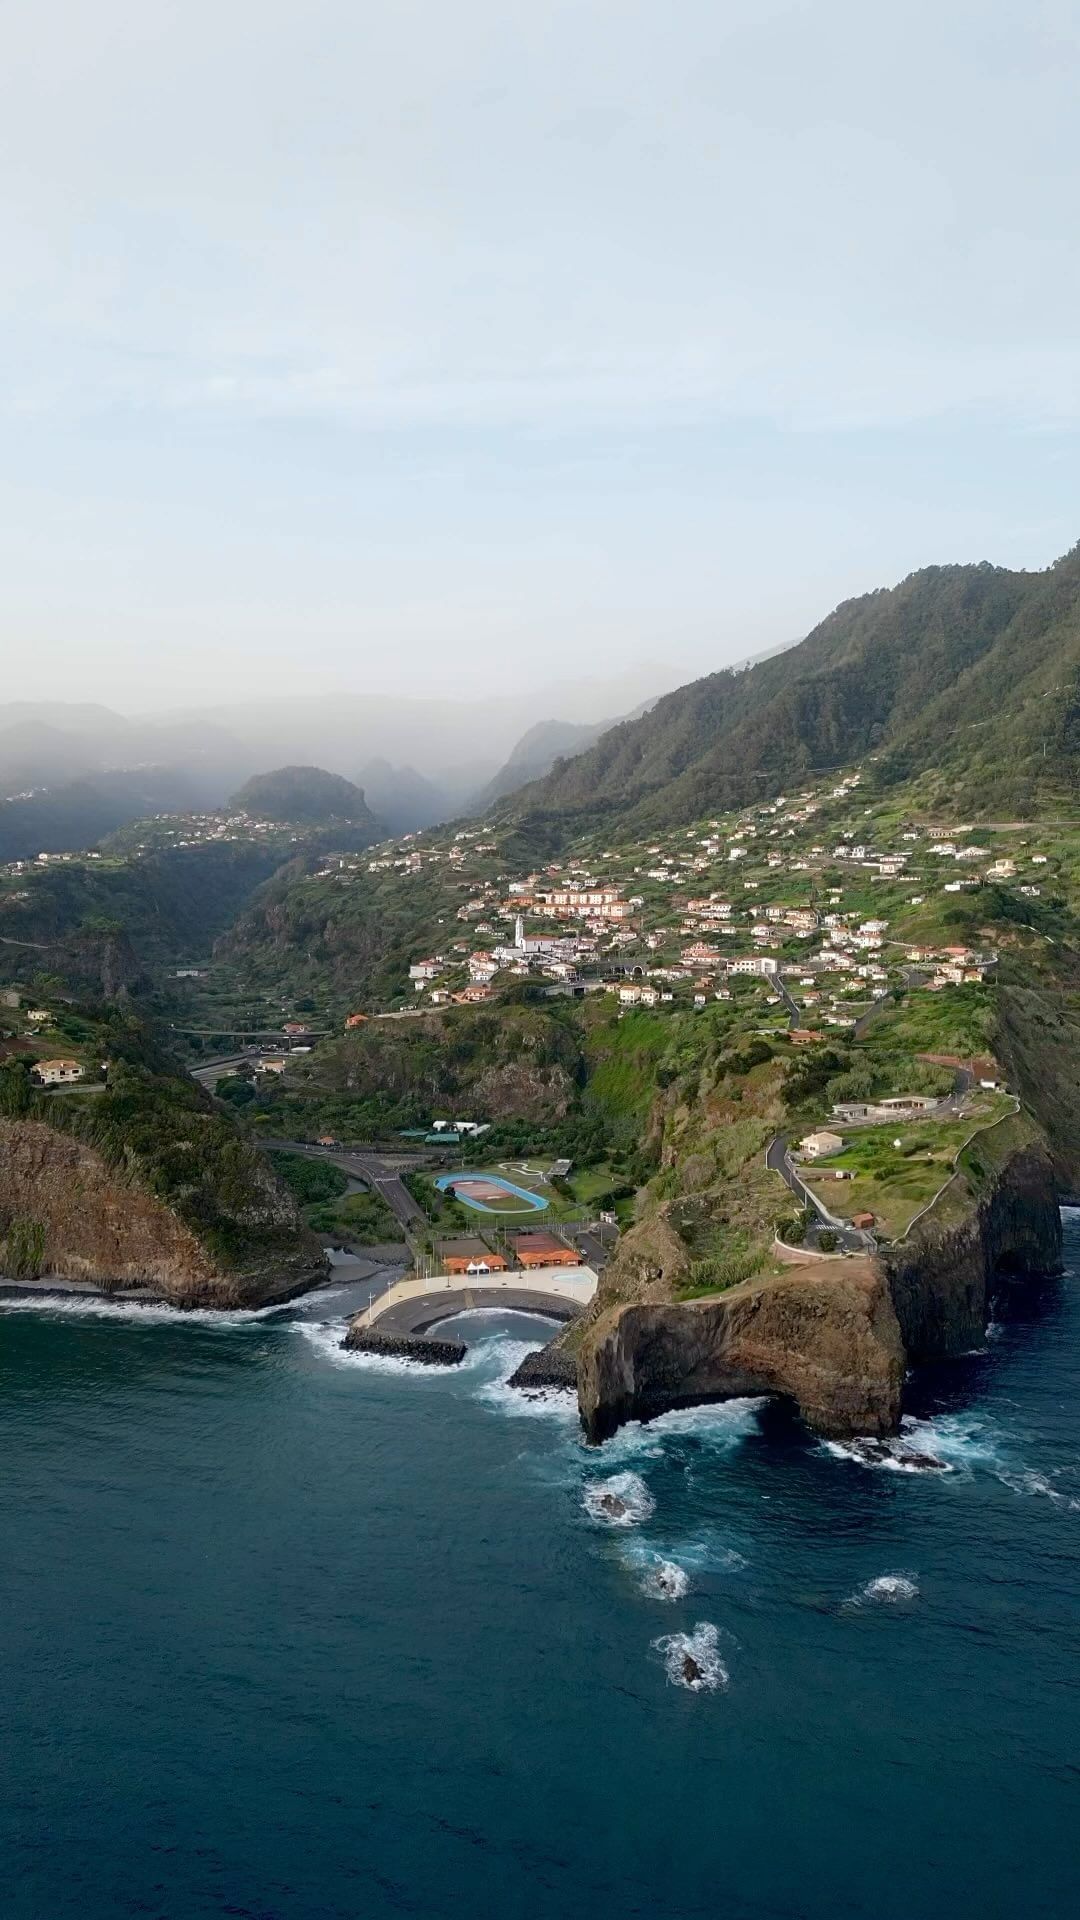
(292, 1635)
(535, 1201)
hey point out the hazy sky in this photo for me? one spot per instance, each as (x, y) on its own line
(415, 343)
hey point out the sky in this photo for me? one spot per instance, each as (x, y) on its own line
(426, 348)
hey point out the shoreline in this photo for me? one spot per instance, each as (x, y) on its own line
(59, 1286)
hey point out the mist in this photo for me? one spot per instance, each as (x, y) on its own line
(459, 355)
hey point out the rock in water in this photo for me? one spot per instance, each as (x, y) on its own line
(610, 1503)
(691, 1672)
(875, 1452)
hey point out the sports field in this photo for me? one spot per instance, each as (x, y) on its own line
(490, 1193)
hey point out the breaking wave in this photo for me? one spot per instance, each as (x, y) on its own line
(945, 1443)
(623, 1500)
(719, 1427)
(658, 1578)
(692, 1660)
(491, 1362)
(137, 1313)
(1025, 1480)
(886, 1590)
(325, 1337)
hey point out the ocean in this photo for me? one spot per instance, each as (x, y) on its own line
(289, 1634)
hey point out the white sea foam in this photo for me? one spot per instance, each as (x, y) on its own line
(326, 1336)
(885, 1456)
(720, 1427)
(500, 1359)
(705, 1553)
(1026, 1481)
(623, 1500)
(962, 1444)
(659, 1579)
(149, 1313)
(692, 1660)
(531, 1403)
(494, 1359)
(963, 1441)
(886, 1590)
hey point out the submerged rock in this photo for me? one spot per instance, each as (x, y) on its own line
(610, 1504)
(885, 1453)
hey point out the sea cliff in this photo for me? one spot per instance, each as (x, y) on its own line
(67, 1214)
(1002, 1218)
(833, 1337)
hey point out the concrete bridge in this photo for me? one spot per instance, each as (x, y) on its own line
(414, 1306)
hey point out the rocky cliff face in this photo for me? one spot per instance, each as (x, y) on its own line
(825, 1337)
(833, 1337)
(940, 1282)
(66, 1214)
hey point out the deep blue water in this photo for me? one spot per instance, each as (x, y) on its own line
(286, 1634)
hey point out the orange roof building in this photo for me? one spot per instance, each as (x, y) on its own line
(457, 1256)
(543, 1250)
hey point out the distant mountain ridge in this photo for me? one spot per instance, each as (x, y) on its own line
(404, 799)
(964, 675)
(536, 752)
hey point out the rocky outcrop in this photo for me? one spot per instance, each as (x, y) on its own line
(834, 1337)
(941, 1280)
(825, 1339)
(404, 1346)
(65, 1213)
(550, 1366)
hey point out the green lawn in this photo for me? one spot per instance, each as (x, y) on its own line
(894, 1183)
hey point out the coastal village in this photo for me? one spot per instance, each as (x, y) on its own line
(805, 917)
(806, 900)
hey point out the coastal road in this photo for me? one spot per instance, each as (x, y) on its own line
(778, 1160)
(212, 1071)
(371, 1170)
(796, 1015)
(593, 1247)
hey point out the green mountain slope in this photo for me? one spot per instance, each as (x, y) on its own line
(305, 796)
(932, 677)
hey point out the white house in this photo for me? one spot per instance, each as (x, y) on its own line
(57, 1073)
(818, 1144)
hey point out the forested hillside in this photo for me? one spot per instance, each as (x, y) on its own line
(929, 677)
(305, 796)
(62, 917)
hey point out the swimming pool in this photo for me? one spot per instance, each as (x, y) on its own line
(478, 1200)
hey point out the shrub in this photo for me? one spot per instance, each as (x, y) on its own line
(722, 1271)
(23, 1255)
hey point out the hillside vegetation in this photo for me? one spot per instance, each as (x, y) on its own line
(71, 918)
(156, 1128)
(306, 796)
(927, 676)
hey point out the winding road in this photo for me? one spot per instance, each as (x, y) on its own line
(367, 1167)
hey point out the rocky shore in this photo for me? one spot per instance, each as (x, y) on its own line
(549, 1366)
(68, 1215)
(404, 1346)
